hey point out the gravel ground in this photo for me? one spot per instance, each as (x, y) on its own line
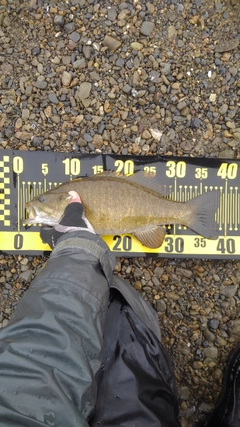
(94, 76)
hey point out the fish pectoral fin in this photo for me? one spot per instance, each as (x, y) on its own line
(152, 237)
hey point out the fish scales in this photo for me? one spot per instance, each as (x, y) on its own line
(116, 205)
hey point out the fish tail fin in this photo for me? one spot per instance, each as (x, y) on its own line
(203, 209)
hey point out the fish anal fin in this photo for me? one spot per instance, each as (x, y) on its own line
(152, 237)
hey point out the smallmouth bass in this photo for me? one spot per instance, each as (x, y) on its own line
(116, 204)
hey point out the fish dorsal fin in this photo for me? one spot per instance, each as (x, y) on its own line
(152, 237)
(143, 178)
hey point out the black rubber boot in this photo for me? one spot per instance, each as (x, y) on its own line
(227, 410)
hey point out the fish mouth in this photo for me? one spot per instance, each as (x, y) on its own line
(34, 215)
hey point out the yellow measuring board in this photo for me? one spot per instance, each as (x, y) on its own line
(24, 175)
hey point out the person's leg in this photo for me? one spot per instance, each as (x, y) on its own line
(227, 409)
(50, 350)
(136, 385)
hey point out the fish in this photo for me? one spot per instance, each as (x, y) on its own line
(134, 204)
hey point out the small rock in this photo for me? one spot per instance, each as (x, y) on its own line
(8, 132)
(55, 60)
(36, 50)
(79, 119)
(80, 63)
(28, 90)
(55, 118)
(26, 275)
(66, 60)
(95, 76)
(87, 50)
(213, 324)
(230, 125)
(154, 76)
(97, 141)
(48, 111)
(209, 335)
(136, 46)
(3, 117)
(112, 14)
(158, 271)
(226, 154)
(205, 407)
(184, 392)
(212, 97)
(127, 89)
(150, 7)
(25, 136)
(197, 364)
(87, 137)
(138, 285)
(6, 68)
(236, 136)
(52, 98)
(172, 32)
(18, 123)
(161, 306)
(233, 70)
(84, 91)
(111, 43)
(25, 113)
(137, 273)
(176, 85)
(196, 122)
(119, 62)
(36, 141)
(41, 84)
(227, 134)
(166, 69)
(59, 20)
(118, 266)
(172, 295)
(24, 261)
(184, 272)
(211, 352)
(75, 37)
(156, 134)
(223, 109)
(227, 45)
(146, 134)
(221, 342)
(70, 27)
(229, 291)
(181, 105)
(234, 328)
(135, 148)
(66, 78)
(147, 28)
(114, 147)
(96, 119)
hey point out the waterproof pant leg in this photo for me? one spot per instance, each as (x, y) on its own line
(50, 350)
(136, 385)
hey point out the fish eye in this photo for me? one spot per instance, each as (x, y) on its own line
(41, 199)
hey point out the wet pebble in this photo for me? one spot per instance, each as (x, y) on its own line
(147, 28)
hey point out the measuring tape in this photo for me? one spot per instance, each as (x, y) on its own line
(25, 174)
